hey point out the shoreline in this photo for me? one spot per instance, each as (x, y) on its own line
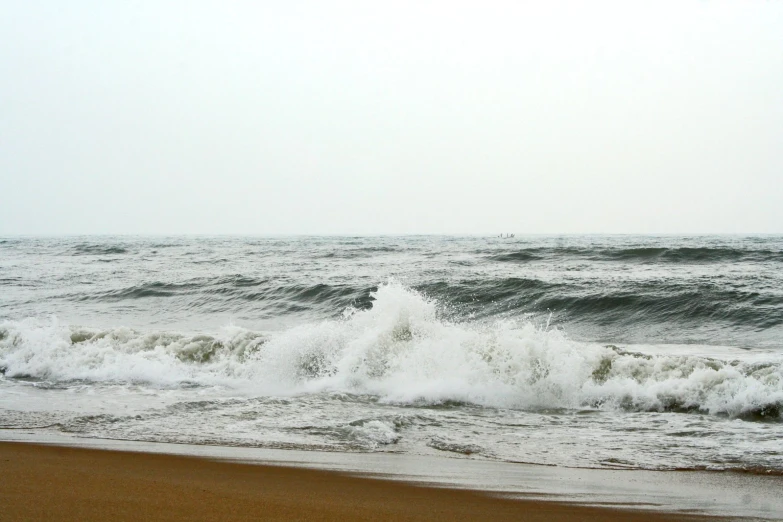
(73, 483)
(683, 494)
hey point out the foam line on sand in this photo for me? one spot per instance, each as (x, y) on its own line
(64, 483)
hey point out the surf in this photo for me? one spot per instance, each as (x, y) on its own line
(404, 349)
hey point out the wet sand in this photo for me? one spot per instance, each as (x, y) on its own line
(63, 483)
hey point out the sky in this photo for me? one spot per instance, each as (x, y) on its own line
(405, 117)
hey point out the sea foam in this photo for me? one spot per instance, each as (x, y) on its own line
(402, 351)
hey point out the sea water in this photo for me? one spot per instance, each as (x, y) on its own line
(653, 353)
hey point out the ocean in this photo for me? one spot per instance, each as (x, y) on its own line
(614, 352)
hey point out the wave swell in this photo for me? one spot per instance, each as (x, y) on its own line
(685, 255)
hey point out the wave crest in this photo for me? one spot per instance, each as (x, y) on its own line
(400, 350)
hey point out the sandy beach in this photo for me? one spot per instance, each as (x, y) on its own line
(60, 483)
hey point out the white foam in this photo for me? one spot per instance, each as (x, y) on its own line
(374, 433)
(400, 351)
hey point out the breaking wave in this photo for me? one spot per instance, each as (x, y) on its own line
(630, 304)
(401, 350)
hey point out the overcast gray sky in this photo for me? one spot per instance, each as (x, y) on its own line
(336, 117)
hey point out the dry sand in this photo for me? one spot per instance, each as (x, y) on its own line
(59, 483)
